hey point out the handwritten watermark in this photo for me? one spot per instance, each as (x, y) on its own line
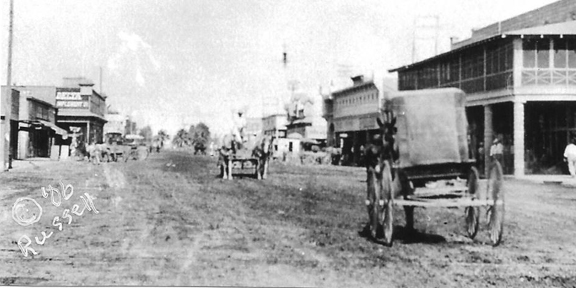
(26, 211)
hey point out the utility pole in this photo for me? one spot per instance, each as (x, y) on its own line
(5, 143)
(427, 23)
(101, 90)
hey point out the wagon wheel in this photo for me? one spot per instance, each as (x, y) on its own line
(495, 213)
(472, 213)
(373, 206)
(388, 208)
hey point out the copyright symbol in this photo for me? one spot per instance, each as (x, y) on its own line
(26, 211)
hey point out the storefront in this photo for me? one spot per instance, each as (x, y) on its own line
(81, 111)
(351, 114)
(34, 132)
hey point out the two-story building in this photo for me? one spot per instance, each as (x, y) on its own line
(520, 79)
(275, 125)
(81, 110)
(351, 114)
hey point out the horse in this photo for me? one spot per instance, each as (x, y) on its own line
(262, 150)
(94, 153)
(380, 185)
(225, 154)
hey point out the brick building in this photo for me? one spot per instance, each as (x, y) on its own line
(520, 77)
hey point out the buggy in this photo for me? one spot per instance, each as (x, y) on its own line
(431, 166)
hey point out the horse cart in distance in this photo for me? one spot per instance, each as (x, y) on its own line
(249, 158)
(424, 162)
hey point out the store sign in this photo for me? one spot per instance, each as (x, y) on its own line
(368, 123)
(71, 104)
(358, 123)
(68, 96)
(350, 124)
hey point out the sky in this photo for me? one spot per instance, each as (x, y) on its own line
(174, 63)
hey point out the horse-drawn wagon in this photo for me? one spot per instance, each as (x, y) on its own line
(423, 161)
(251, 157)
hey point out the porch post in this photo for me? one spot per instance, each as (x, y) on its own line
(88, 133)
(488, 136)
(519, 138)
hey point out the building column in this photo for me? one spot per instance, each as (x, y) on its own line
(488, 137)
(88, 142)
(519, 139)
(355, 147)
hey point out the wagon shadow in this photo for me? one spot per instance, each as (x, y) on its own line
(404, 235)
(411, 236)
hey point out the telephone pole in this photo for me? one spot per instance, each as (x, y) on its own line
(5, 143)
(423, 26)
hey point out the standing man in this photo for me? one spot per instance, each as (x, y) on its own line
(570, 157)
(497, 151)
(239, 126)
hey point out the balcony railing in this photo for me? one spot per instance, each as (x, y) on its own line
(548, 77)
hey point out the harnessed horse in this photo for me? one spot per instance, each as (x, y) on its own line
(381, 188)
(262, 151)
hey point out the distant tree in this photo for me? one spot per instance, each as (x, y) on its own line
(162, 136)
(146, 132)
(181, 139)
(201, 134)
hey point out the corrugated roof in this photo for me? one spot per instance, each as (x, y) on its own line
(564, 28)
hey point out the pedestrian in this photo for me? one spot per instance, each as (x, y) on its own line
(570, 157)
(73, 147)
(497, 151)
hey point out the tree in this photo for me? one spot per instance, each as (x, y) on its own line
(181, 139)
(201, 134)
(162, 136)
(146, 132)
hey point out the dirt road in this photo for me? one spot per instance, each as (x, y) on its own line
(169, 221)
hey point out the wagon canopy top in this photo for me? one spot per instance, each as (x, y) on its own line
(432, 126)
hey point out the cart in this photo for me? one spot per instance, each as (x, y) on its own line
(433, 168)
(239, 163)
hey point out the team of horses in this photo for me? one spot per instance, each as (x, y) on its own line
(101, 152)
(257, 149)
